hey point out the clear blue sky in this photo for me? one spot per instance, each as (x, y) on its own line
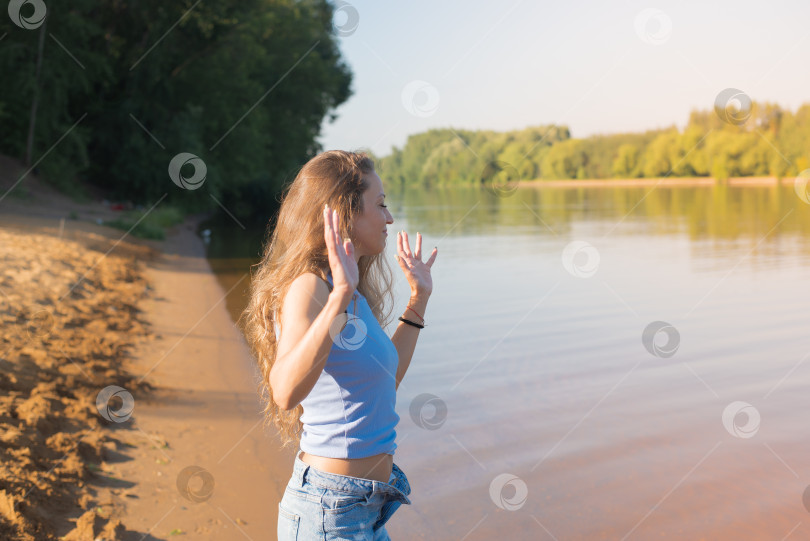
(585, 64)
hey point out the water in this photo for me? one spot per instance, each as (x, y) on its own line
(545, 377)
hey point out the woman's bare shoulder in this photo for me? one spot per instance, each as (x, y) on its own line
(312, 280)
(307, 288)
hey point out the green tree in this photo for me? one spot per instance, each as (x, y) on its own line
(708, 146)
(564, 160)
(243, 84)
(660, 156)
(625, 164)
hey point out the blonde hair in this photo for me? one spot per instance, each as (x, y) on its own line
(296, 245)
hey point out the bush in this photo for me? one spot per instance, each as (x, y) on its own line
(153, 225)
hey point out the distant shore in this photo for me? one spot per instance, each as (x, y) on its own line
(664, 181)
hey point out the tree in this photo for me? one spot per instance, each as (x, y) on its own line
(564, 160)
(624, 166)
(242, 84)
(707, 146)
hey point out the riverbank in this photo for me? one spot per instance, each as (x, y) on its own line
(85, 308)
(660, 182)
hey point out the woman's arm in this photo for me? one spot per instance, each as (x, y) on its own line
(417, 273)
(308, 312)
(405, 335)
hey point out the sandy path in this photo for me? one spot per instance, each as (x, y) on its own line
(206, 409)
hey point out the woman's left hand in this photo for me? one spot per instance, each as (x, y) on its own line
(416, 271)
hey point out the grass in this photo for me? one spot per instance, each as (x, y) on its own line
(21, 193)
(153, 225)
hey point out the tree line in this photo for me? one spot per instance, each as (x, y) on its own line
(110, 92)
(765, 140)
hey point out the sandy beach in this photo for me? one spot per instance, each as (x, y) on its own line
(91, 318)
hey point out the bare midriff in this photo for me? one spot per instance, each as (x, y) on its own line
(376, 467)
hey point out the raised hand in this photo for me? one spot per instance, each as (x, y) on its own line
(416, 271)
(345, 275)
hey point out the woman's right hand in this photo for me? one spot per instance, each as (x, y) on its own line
(345, 274)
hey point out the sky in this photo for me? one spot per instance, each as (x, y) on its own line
(606, 66)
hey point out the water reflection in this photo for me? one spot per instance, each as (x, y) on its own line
(716, 212)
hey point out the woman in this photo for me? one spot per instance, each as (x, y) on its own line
(329, 371)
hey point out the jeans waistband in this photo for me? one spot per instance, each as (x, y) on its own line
(397, 487)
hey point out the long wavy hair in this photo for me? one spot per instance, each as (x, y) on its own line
(296, 245)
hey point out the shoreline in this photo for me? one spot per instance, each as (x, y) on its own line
(665, 182)
(191, 377)
(661, 182)
(206, 410)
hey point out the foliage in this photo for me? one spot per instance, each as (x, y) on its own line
(243, 84)
(772, 141)
(149, 225)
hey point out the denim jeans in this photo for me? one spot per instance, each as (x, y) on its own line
(319, 505)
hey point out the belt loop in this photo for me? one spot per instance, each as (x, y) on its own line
(300, 473)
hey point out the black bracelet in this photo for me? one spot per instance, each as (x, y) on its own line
(409, 322)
